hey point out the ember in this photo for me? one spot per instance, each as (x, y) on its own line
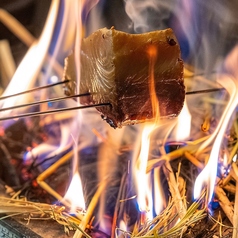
(164, 178)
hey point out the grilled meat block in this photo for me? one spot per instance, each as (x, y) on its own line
(116, 68)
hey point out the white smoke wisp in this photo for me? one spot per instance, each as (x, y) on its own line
(148, 15)
(206, 30)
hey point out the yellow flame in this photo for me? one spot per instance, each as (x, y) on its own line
(122, 229)
(158, 197)
(29, 71)
(234, 158)
(143, 180)
(183, 126)
(74, 193)
(74, 14)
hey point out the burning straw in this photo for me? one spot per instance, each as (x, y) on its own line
(159, 226)
(163, 225)
(168, 223)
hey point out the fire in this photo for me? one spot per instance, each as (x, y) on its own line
(152, 54)
(149, 198)
(230, 83)
(48, 52)
(74, 193)
(28, 70)
(142, 179)
(183, 124)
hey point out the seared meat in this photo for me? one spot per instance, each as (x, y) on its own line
(116, 68)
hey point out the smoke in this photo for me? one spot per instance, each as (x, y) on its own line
(148, 15)
(206, 30)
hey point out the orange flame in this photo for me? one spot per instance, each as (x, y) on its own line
(152, 53)
(143, 180)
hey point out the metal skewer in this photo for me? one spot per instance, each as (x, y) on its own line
(31, 114)
(35, 89)
(205, 91)
(44, 101)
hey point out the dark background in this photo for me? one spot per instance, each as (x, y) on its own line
(210, 21)
(32, 14)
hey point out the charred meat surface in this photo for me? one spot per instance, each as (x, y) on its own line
(115, 68)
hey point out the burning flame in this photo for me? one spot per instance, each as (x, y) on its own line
(152, 53)
(143, 180)
(183, 126)
(70, 32)
(28, 71)
(230, 83)
(77, 7)
(62, 32)
(74, 193)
